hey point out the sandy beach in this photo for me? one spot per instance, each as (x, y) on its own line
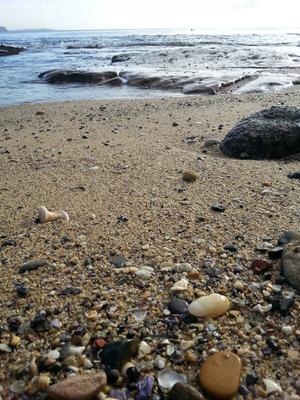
(116, 168)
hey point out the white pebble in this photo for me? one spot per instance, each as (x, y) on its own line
(271, 386)
(287, 330)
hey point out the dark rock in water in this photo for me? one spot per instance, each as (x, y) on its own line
(271, 133)
(116, 354)
(65, 76)
(287, 237)
(10, 50)
(178, 306)
(294, 175)
(290, 263)
(32, 265)
(144, 388)
(183, 391)
(120, 58)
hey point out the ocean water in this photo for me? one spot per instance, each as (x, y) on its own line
(272, 59)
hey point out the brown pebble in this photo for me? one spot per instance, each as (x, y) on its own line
(79, 387)
(189, 176)
(220, 375)
(182, 391)
(259, 265)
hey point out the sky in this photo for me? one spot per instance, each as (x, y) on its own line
(135, 14)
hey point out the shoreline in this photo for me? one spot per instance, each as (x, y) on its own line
(116, 167)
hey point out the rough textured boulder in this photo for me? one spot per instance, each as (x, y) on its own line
(271, 133)
(10, 50)
(65, 76)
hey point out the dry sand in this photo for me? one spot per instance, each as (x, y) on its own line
(135, 204)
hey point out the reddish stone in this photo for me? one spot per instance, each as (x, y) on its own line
(259, 265)
(100, 343)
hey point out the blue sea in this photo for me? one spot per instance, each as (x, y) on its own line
(272, 58)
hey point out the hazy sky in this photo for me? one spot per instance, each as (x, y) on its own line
(97, 14)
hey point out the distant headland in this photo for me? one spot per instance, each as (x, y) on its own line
(3, 29)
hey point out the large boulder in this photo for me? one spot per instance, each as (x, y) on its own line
(58, 76)
(271, 133)
(10, 50)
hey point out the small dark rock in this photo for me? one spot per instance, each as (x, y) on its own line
(122, 218)
(175, 124)
(251, 379)
(8, 242)
(243, 391)
(189, 176)
(259, 265)
(294, 175)
(178, 306)
(286, 304)
(231, 247)
(21, 290)
(116, 354)
(32, 265)
(183, 391)
(132, 374)
(120, 58)
(290, 264)
(112, 376)
(118, 261)
(217, 207)
(276, 252)
(71, 291)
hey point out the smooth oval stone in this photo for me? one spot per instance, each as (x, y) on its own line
(183, 391)
(189, 176)
(212, 306)
(78, 387)
(178, 306)
(220, 375)
(290, 263)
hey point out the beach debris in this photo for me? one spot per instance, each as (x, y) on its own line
(220, 375)
(183, 391)
(78, 387)
(144, 350)
(168, 377)
(275, 252)
(139, 315)
(213, 305)
(290, 263)
(212, 142)
(118, 261)
(262, 309)
(287, 330)
(189, 176)
(270, 133)
(32, 265)
(47, 216)
(271, 386)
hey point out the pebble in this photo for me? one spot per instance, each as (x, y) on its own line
(259, 265)
(287, 237)
(118, 261)
(262, 309)
(32, 265)
(183, 391)
(212, 306)
(293, 354)
(294, 175)
(145, 387)
(287, 330)
(275, 252)
(116, 354)
(271, 386)
(189, 176)
(180, 286)
(220, 375)
(144, 272)
(212, 142)
(144, 350)
(217, 207)
(178, 306)
(79, 387)
(291, 264)
(167, 378)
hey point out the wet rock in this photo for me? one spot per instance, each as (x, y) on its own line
(270, 133)
(79, 387)
(220, 375)
(116, 354)
(66, 76)
(10, 50)
(217, 207)
(294, 175)
(259, 265)
(32, 265)
(189, 176)
(290, 264)
(144, 388)
(183, 391)
(178, 306)
(287, 237)
(120, 58)
(212, 306)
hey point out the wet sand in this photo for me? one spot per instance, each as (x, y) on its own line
(116, 167)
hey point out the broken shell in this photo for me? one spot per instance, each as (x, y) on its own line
(167, 378)
(262, 309)
(47, 216)
(271, 386)
(212, 306)
(180, 285)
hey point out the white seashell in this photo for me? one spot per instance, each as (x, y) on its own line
(47, 216)
(144, 350)
(262, 309)
(167, 378)
(271, 386)
(139, 315)
(212, 306)
(180, 285)
(53, 355)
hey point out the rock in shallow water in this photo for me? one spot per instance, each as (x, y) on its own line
(291, 264)
(271, 133)
(212, 306)
(220, 375)
(79, 387)
(66, 76)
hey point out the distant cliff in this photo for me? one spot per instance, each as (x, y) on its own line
(3, 29)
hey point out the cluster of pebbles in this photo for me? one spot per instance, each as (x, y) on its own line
(136, 301)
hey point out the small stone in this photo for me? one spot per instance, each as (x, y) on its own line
(251, 379)
(79, 387)
(294, 175)
(220, 375)
(178, 306)
(293, 354)
(21, 290)
(212, 306)
(231, 247)
(189, 176)
(144, 388)
(15, 341)
(4, 348)
(271, 386)
(144, 350)
(71, 291)
(32, 265)
(259, 265)
(118, 261)
(262, 309)
(212, 142)
(183, 391)
(180, 286)
(116, 354)
(217, 207)
(275, 252)
(291, 264)
(287, 330)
